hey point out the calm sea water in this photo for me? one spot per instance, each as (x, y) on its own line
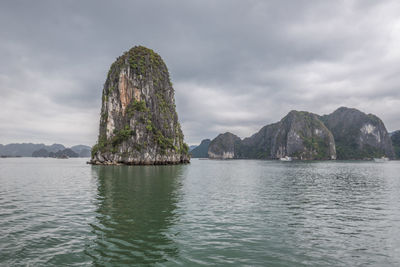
(242, 212)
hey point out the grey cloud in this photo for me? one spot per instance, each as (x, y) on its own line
(236, 65)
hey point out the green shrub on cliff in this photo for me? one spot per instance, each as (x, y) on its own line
(154, 122)
(121, 135)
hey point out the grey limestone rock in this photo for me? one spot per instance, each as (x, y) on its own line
(139, 123)
(299, 134)
(223, 146)
(358, 135)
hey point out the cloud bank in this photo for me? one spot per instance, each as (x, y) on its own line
(236, 65)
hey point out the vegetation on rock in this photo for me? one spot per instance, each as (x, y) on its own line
(344, 134)
(138, 123)
(299, 134)
(358, 135)
(201, 151)
(223, 146)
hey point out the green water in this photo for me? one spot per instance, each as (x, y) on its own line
(244, 212)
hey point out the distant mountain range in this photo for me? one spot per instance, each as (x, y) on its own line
(42, 150)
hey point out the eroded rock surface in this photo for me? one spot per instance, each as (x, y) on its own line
(358, 135)
(299, 134)
(201, 151)
(223, 146)
(347, 133)
(139, 123)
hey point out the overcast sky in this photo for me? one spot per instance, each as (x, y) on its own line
(235, 65)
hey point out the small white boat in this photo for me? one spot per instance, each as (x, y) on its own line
(382, 159)
(286, 158)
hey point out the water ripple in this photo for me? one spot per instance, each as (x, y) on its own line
(244, 212)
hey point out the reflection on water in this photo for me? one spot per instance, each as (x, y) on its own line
(136, 208)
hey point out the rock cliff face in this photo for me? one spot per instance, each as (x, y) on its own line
(299, 134)
(358, 135)
(223, 146)
(82, 150)
(139, 124)
(201, 151)
(396, 143)
(345, 134)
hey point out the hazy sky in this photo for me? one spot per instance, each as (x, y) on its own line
(235, 65)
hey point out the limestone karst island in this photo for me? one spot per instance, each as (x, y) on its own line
(139, 124)
(345, 134)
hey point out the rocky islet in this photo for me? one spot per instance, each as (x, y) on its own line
(139, 124)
